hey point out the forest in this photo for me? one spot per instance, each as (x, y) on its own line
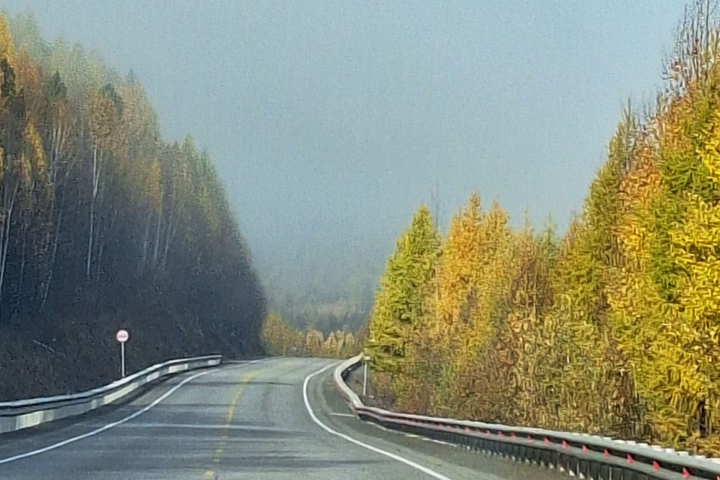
(103, 225)
(612, 329)
(334, 292)
(281, 339)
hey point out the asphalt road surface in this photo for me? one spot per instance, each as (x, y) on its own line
(269, 419)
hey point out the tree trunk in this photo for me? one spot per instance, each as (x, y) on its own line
(51, 266)
(145, 243)
(95, 180)
(101, 234)
(9, 204)
(156, 247)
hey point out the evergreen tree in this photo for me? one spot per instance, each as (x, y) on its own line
(398, 314)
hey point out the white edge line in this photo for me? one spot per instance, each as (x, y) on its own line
(113, 424)
(398, 458)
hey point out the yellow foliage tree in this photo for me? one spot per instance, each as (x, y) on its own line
(314, 341)
(279, 338)
(613, 330)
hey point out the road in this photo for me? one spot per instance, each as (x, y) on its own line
(271, 419)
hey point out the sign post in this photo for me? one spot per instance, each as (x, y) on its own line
(122, 336)
(366, 358)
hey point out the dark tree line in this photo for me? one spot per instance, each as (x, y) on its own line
(104, 225)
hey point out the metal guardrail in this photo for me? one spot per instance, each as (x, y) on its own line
(583, 455)
(23, 414)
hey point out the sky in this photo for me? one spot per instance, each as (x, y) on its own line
(330, 122)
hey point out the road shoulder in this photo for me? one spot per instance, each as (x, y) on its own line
(452, 461)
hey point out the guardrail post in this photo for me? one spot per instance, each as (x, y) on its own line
(563, 463)
(617, 473)
(573, 465)
(366, 358)
(522, 454)
(583, 469)
(536, 457)
(554, 461)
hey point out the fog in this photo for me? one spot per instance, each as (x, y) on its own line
(330, 122)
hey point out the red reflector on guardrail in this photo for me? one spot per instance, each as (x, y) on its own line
(547, 441)
(686, 474)
(585, 449)
(656, 465)
(565, 445)
(629, 458)
(606, 453)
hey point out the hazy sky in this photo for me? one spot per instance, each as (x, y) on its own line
(333, 120)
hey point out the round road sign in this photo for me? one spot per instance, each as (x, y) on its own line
(122, 336)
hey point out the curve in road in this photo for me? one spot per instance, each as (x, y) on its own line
(277, 418)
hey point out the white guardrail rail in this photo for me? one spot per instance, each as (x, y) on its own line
(586, 456)
(22, 414)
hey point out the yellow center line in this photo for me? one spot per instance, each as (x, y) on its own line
(220, 449)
